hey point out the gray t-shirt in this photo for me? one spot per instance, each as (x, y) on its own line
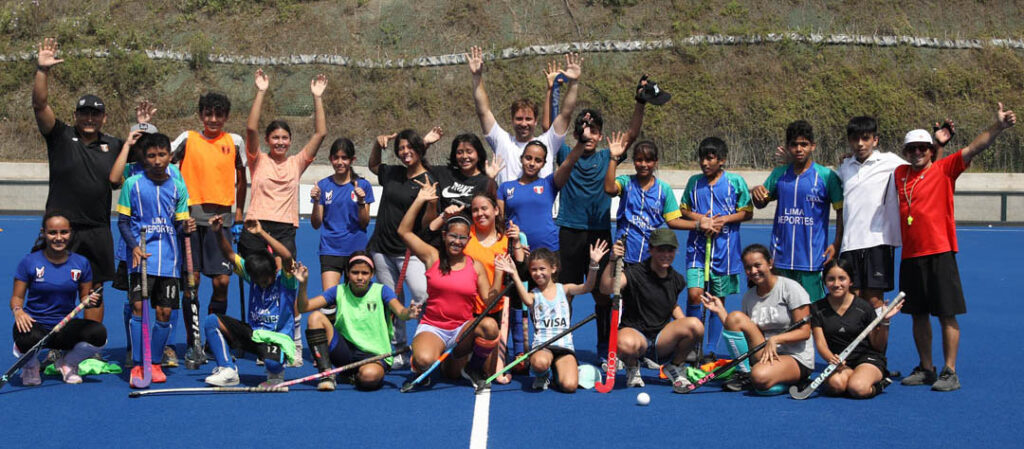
(771, 314)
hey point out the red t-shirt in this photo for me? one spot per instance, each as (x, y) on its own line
(926, 200)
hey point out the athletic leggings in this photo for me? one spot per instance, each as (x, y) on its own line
(77, 330)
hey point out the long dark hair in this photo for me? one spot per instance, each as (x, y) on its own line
(499, 219)
(40, 242)
(478, 146)
(415, 141)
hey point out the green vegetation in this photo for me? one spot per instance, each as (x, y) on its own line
(744, 94)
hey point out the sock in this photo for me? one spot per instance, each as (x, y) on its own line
(136, 336)
(546, 372)
(482, 348)
(713, 332)
(274, 366)
(693, 310)
(79, 352)
(126, 315)
(32, 363)
(737, 344)
(175, 319)
(218, 346)
(319, 348)
(219, 308)
(161, 330)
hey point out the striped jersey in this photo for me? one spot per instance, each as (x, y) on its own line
(156, 206)
(270, 308)
(800, 229)
(551, 317)
(642, 211)
(726, 196)
(132, 169)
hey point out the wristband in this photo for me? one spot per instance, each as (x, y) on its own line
(884, 323)
(595, 266)
(42, 69)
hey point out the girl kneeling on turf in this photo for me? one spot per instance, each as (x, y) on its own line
(46, 284)
(361, 328)
(836, 322)
(453, 282)
(552, 313)
(772, 304)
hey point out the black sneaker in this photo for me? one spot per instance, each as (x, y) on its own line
(948, 380)
(920, 376)
(740, 381)
(475, 378)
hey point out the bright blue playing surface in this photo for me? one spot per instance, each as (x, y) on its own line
(99, 413)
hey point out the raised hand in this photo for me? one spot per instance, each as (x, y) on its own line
(144, 112)
(597, 251)
(943, 133)
(253, 226)
(616, 144)
(551, 72)
(360, 195)
(573, 66)
(435, 134)
(48, 53)
(262, 81)
(452, 211)
(476, 60)
(713, 303)
(503, 262)
(134, 137)
(318, 85)
(1005, 118)
(314, 193)
(382, 140)
(216, 224)
(428, 191)
(300, 272)
(494, 166)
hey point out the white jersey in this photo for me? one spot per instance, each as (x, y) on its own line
(509, 149)
(551, 317)
(871, 210)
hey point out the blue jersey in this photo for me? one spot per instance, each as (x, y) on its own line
(583, 203)
(529, 207)
(52, 289)
(271, 308)
(727, 196)
(341, 234)
(155, 206)
(132, 169)
(642, 211)
(800, 230)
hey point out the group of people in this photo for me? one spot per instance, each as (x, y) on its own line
(477, 236)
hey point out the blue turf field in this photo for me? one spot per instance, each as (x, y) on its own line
(100, 414)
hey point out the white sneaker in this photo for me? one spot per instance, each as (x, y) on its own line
(542, 381)
(677, 375)
(273, 380)
(298, 356)
(400, 362)
(223, 376)
(619, 365)
(633, 379)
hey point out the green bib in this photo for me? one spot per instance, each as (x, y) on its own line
(364, 321)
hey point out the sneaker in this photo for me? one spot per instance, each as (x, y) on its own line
(947, 381)
(474, 377)
(273, 380)
(223, 376)
(677, 375)
(740, 381)
(326, 384)
(649, 364)
(619, 365)
(135, 378)
(194, 360)
(30, 376)
(920, 376)
(157, 374)
(542, 381)
(400, 361)
(298, 362)
(633, 379)
(68, 371)
(170, 358)
(51, 357)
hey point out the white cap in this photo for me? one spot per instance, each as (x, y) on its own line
(918, 136)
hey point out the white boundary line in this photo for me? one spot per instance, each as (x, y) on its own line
(481, 420)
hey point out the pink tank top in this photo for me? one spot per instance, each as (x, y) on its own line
(450, 298)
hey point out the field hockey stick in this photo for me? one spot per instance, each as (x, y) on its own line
(401, 273)
(613, 338)
(526, 312)
(192, 310)
(503, 330)
(796, 393)
(26, 356)
(555, 97)
(537, 348)
(147, 354)
(406, 387)
(735, 362)
(707, 288)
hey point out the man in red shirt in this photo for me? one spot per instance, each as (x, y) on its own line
(928, 271)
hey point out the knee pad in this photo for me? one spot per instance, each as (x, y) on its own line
(737, 344)
(775, 390)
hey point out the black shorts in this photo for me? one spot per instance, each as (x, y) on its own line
(866, 357)
(872, 267)
(239, 334)
(77, 330)
(932, 285)
(120, 281)
(344, 352)
(163, 291)
(96, 244)
(282, 232)
(337, 264)
(574, 253)
(206, 256)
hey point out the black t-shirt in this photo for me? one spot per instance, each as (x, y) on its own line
(840, 331)
(398, 194)
(452, 185)
(648, 300)
(80, 175)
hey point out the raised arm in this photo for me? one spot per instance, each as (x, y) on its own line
(572, 72)
(216, 227)
(375, 157)
(45, 118)
(252, 226)
(423, 250)
(550, 74)
(252, 134)
(1004, 119)
(317, 86)
(616, 147)
(597, 251)
(483, 104)
(117, 171)
(364, 207)
(504, 264)
(302, 301)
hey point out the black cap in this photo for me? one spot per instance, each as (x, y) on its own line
(651, 93)
(90, 101)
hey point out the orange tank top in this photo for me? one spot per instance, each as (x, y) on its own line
(209, 169)
(485, 255)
